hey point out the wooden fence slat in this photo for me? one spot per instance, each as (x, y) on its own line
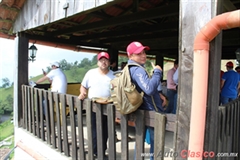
(25, 113)
(80, 129)
(64, 124)
(57, 117)
(89, 128)
(41, 114)
(234, 126)
(33, 111)
(47, 119)
(36, 95)
(99, 130)
(227, 131)
(29, 111)
(231, 140)
(51, 112)
(140, 130)
(73, 128)
(159, 136)
(124, 137)
(111, 132)
(220, 119)
(224, 119)
(238, 128)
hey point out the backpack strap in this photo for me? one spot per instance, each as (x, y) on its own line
(135, 64)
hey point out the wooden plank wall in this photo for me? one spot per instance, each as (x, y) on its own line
(40, 12)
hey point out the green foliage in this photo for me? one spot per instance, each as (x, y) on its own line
(122, 59)
(5, 83)
(7, 129)
(6, 100)
(94, 60)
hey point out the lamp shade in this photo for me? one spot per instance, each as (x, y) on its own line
(32, 52)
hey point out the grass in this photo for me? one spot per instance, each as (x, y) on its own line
(4, 92)
(6, 129)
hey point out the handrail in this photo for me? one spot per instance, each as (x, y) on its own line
(55, 121)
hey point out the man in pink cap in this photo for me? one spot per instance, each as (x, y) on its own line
(144, 83)
(96, 83)
(229, 84)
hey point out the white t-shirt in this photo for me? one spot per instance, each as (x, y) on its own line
(59, 80)
(98, 85)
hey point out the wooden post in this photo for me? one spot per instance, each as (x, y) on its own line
(159, 136)
(211, 140)
(21, 75)
(193, 15)
(113, 53)
(160, 61)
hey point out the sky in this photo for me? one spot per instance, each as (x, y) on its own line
(45, 55)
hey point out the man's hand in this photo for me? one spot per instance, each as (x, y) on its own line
(156, 67)
(44, 73)
(82, 96)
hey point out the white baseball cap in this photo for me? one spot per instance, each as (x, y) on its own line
(55, 64)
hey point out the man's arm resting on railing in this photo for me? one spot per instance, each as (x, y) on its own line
(83, 93)
(43, 79)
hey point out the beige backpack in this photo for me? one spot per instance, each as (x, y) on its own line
(124, 94)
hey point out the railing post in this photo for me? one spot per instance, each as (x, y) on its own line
(140, 133)
(89, 128)
(159, 136)
(111, 132)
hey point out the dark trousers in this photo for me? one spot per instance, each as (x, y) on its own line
(172, 98)
(94, 132)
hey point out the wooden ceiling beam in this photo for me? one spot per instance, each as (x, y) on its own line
(144, 15)
(133, 30)
(142, 37)
(65, 41)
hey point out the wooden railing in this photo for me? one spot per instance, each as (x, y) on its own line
(228, 129)
(69, 138)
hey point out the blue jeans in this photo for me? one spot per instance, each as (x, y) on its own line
(151, 132)
(225, 100)
(172, 98)
(94, 132)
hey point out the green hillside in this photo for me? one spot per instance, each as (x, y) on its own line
(4, 92)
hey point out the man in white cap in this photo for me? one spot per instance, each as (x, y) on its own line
(56, 77)
(96, 83)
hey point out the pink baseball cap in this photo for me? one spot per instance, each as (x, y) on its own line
(136, 48)
(103, 54)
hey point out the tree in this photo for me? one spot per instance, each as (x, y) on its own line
(85, 63)
(94, 60)
(65, 65)
(8, 106)
(5, 82)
